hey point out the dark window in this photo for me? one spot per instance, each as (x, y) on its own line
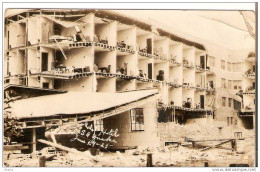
(7, 65)
(137, 119)
(202, 62)
(150, 70)
(44, 62)
(224, 101)
(229, 102)
(202, 101)
(45, 85)
(149, 46)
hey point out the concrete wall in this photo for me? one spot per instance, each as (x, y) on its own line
(161, 66)
(107, 31)
(128, 36)
(188, 93)
(47, 80)
(142, 43)
(84, 84)
(50, 56)
(34, 33)
(124, 85)
(189, 54)
(21, 34)
(176, 50)
(189, 76)
(80, 58)
(131, 61)
(143, 85)
(21, 60)
(47, 31)
(103, 59)
(34, 60)
(106, 85)
(143, 65)
(175, 95)
(34, 82)
(122, 122)
(200, 79)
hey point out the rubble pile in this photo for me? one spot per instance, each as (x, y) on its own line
(175, 132)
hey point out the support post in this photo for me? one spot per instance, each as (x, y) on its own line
(174, 115)
(149, 160)
(33, 150)
(42, 161)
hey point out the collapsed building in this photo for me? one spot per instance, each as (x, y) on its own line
(118, 73)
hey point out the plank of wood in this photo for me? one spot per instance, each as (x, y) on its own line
(68, 149)
(15, 147)
(217, 145)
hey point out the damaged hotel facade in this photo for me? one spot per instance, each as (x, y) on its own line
(58, 59)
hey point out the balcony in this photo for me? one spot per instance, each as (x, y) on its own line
(174, 84)
(249, 91)
(187, 64)
(62, 72)
(188, 85)
(199, 68)
(251, 57)
(173, 61)
(250, 74)
(199, 88)
(124, 49)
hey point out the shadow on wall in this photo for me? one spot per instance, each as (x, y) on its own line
(247, 122)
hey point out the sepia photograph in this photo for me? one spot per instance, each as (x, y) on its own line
(94, 87)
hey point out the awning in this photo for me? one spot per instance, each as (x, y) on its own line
(66, 24)
(74, 103)
(237, 98)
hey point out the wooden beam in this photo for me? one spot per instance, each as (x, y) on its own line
(34, 140)
(69, 150)
(15, 147)
(216, 146)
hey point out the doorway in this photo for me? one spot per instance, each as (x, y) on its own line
(150, 70)
(44, 62)
(202, 61)
(202, 101)
(149, 46)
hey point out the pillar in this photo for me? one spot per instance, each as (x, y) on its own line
(33, 150)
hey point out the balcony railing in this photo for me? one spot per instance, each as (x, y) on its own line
(187, 64)
(249, 73)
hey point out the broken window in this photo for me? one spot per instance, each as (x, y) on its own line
(223, 101)
(137, 119)
(229, 102)
(99, 125)
(223, 64)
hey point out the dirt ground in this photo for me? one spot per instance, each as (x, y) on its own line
(182, 154)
